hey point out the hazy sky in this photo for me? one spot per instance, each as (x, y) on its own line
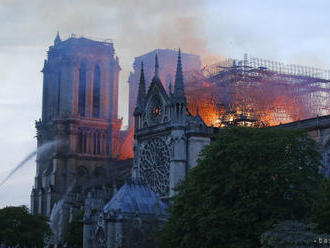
(291, 31)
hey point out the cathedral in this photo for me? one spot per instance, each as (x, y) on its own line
(82, 171)
(168, 138)
(167, 142)
(79, 114)
(123, 201)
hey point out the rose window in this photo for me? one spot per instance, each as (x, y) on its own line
(154, 166)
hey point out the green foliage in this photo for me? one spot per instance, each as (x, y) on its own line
(74, 236)
(321, 212)
(290, 234)
(246, 180)
(19, 227)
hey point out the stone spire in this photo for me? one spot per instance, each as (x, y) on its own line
(156, 65)
(179, 87)
(156, 79)
(57, 39)
(142, 91)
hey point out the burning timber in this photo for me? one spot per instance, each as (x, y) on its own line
(257, 92)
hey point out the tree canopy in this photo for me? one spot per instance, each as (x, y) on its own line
(292, 234)
(74, 235)
(321, 212)
(246, 180)
(19, 227)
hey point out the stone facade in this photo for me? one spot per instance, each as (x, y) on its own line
(167, 66)
(167, 141)
(319, 129)
(167, 137)
(79, 114)
(127, 220)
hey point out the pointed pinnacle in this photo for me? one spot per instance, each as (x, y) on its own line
(156, 65)
(178, 87)
(142, 88)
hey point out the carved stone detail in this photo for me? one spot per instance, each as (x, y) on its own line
(154, 164)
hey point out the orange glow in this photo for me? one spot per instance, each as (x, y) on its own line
(262, 100)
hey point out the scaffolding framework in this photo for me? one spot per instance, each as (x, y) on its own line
(255, 90)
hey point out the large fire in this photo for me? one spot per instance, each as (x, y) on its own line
(248, 95)
(255, 97)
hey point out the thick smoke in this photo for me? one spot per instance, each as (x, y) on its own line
(136, 26)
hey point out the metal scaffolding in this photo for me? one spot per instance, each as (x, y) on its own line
(254, 91)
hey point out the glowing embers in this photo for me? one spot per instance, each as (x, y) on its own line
(236, 119)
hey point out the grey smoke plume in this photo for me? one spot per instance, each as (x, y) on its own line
(150, 23)
(41, 149)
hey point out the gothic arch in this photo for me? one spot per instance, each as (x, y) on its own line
(100, 238)
(97, 91)
(82, 89)
(82, 172)
(59, 88)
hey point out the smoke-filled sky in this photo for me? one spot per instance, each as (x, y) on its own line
(292, 31)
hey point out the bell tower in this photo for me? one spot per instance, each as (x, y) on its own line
(79, 119)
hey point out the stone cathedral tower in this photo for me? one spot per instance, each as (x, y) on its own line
(167, 137)
(79, 119)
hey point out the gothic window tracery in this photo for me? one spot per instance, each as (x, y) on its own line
(155, 109)
(82, 141)
(96, 91)
(59, 82)
(154, 165)
(82, 89)
(100, 238)
(82, 172)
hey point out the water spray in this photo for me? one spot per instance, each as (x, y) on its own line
(41, 149)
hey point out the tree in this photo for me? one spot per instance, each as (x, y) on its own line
(292, 234)
(321, 212)
(19, 227)
(74, 236)
(246, 180)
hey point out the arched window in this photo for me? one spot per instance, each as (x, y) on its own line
(96, 92)
(58, 92)
(82, 172)
(82, 142)
(82, 89)
(98, 145)
(101, 238)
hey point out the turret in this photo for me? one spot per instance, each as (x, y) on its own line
(57, 39)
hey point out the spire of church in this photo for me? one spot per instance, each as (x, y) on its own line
(170, 88)
(156, 76)
(179, 88)
(57, 39)
(156, 65)
(142, 89)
